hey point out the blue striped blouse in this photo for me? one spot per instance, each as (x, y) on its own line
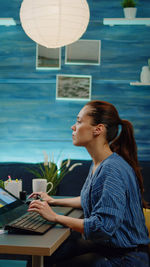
(111, 202)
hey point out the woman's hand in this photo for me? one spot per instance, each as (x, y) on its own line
(43, 196)
(43, 209)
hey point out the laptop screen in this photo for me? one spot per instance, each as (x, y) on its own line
(5, 198)
(8, 201)
(9, 205)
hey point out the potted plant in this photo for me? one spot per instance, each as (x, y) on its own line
(129, 8)
(2, 183)
(145, 73)
(49, 170)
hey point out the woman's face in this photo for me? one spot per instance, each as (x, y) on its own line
(83, 129)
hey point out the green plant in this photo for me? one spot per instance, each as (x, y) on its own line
(49, 170)
(2, 183)
(128, 3)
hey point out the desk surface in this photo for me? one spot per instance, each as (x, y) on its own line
(42, 245)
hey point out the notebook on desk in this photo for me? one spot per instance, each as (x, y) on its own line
(15, 218)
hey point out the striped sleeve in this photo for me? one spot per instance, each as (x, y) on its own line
(108, 204)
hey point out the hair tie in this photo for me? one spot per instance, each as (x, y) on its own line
(120, 122)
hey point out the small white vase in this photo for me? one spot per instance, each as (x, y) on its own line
(145, 74)
(130, 12)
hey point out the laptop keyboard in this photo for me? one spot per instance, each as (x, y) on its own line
(31, 221)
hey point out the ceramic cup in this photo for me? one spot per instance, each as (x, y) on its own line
(40, 185)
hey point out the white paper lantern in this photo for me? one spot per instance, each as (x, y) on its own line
(54, 23)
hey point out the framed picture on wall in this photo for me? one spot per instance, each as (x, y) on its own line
(83, 52)
(73, 87)
(47, 58)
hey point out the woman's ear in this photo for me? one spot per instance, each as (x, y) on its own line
(99, 128)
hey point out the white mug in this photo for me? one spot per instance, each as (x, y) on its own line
(40, 185)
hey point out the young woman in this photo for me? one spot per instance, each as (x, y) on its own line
(113, 228)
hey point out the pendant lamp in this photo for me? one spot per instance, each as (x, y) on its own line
(54, 23)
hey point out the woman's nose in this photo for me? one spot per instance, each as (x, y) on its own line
(73, 127)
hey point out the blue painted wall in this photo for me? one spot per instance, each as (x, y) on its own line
(31, 120)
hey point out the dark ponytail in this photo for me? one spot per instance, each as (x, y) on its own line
(123, 144)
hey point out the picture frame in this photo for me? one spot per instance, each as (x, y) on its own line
(83, 52)
(48, 58)
(73, 87)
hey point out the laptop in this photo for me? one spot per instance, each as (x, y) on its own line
(15, 218)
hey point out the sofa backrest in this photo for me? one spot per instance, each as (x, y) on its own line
(73, 181)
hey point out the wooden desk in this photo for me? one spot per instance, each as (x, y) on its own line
(35, 245)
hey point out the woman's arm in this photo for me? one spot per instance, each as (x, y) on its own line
(43, 208)
(73, 223)
(74, 202)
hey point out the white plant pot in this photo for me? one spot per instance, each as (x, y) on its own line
(145, 74)
(130, 12)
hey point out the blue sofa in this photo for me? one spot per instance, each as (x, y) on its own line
(71, 183)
